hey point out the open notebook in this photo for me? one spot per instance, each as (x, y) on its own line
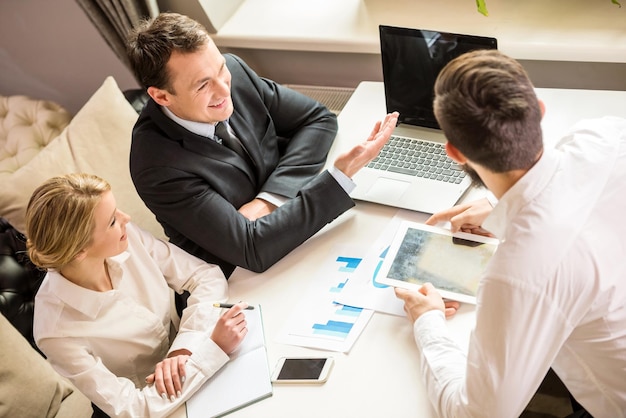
(245, 379)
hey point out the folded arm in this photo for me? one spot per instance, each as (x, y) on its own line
(117, 395)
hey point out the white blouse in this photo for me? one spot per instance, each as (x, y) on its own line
(107, 343)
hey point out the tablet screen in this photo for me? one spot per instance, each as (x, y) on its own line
(453, 263)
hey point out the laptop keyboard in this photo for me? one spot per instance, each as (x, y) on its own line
(418, 158)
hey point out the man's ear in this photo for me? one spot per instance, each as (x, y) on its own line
(454, 154)
(542, 106)
(160, 96)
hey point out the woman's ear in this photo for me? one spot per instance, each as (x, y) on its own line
(81, 255)
(454, 154)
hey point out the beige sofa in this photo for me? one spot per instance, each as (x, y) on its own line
(38, 140)
(96, 140)
(29, 387)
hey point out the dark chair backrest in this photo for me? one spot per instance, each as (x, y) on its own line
(19, 281)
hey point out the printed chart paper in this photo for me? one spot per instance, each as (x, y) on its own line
(363, 289)
(321, 322)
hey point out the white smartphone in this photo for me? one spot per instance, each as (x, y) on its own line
(302, 370)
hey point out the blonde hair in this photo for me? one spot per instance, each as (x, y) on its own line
(60, 218)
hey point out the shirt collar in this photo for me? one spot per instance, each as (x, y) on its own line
(86, 301)
(521, 194)
(203, 129)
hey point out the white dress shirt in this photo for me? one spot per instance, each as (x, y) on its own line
(107, 343)
(554, 293)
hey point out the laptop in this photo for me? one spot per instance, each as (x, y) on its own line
(412, 171)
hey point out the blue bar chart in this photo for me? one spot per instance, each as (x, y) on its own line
(339, 328)
(321, 322)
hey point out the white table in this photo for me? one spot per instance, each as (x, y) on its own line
(380, 376)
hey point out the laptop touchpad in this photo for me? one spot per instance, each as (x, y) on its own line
(387, 190)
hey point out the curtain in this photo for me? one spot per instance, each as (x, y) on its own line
(115, 18)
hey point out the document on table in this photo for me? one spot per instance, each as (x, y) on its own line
(363, 289)
(321, 322)
(245, 379)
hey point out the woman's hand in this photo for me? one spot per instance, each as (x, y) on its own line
(169, 375)
(231, 328)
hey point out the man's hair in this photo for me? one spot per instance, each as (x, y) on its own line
(60, 218)
(487, 108)
(151, 43)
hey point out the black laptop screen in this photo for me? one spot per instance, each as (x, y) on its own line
(411, 61)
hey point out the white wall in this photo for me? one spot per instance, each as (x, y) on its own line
(348, 69)
(50, 50)
(561, 43)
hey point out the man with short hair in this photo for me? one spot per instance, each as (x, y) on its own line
(230, 162)
(554, 293)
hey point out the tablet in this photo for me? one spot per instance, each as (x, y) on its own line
(453, 263)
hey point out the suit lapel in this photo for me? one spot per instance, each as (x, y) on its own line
(199, 144)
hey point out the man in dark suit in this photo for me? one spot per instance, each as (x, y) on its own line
(228, 161)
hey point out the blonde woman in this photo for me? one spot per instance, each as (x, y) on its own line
(102, 314)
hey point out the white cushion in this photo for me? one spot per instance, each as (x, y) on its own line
(26, 126)
(96, 141)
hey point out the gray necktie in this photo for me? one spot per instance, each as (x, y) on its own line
(221, 131)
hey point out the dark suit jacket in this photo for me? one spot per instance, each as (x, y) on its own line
(195, 186)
